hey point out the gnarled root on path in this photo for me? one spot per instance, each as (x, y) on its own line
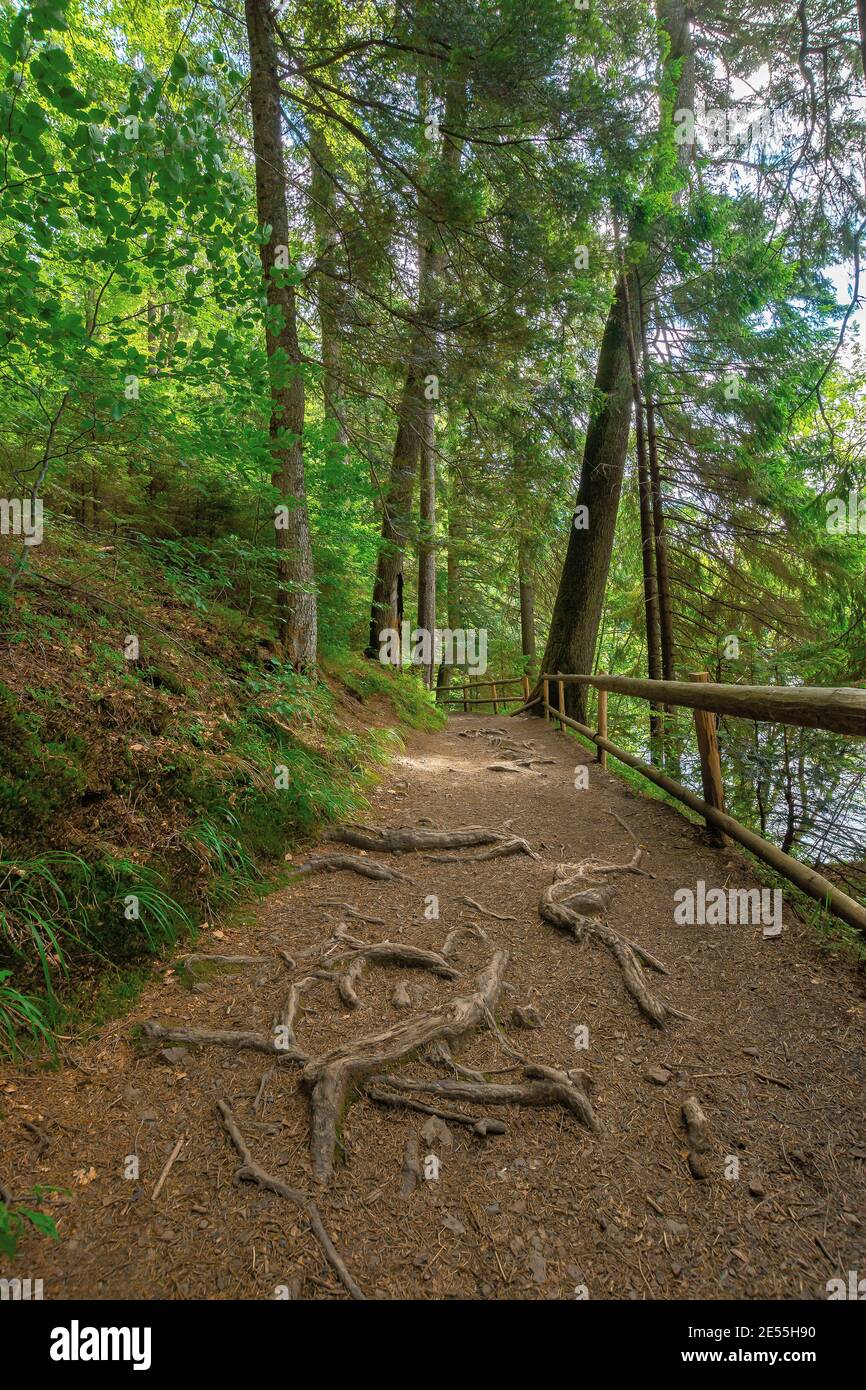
(541, 1086)
(330, 1077)
(406, 838)
(368, 868)
(242, 1039)
(250, 1171)
(505, 846)
(698, 1133)
(565, 905)
(479, 1124)
(354, 954)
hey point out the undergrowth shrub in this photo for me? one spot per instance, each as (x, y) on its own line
(38, 775)
(139, 796)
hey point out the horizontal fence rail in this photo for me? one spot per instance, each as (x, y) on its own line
(496, 697)
(839, 709)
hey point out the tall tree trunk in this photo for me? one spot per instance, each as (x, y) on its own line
(861, 20)
(647, 540)
(386, 609)
(523, 523)
(323, 207)
(527, 607)
(296, 598)
(454, 604)
(577, 610)
(427, 538)
(666, 624)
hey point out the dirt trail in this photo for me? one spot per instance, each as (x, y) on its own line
(772, 1049)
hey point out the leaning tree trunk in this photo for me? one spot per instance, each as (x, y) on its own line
(296, 598)
(647, 536)
(577, 610)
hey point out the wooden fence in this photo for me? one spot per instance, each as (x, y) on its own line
(841, 710)
(495, 698)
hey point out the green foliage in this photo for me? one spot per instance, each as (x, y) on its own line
(27, 801)
(78, 928)
(412, 703)
(56, 909)
(15, 1220)
(135, 401)
(22, 1020)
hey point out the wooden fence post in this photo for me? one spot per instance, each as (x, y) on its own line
(526, 690)
(561, 703)
(711, 764)
(602, 726)
(545, 686)
(495, 704)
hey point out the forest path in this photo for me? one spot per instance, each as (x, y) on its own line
(774, 1056)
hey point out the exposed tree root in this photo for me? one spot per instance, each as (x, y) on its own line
(369, 868)
(330, 1077)
(479, 1124)
(438, 1054)
(260, 1093)
(411, 1175)
(250, 1171)
(448, 946)
(503, 1041)
(632, 974)
(542, 1086)
(190, 962)
(346, 982)
(360, 953)
(597, 866)
(517, 761)
(349, 911)
(507, 845)
(697, 1131)
(647, 958)
(285, 1022)
(565, 906)
(406, 838)
(488, 912)
(483, 733)
(400, 953)
(224, 1037)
